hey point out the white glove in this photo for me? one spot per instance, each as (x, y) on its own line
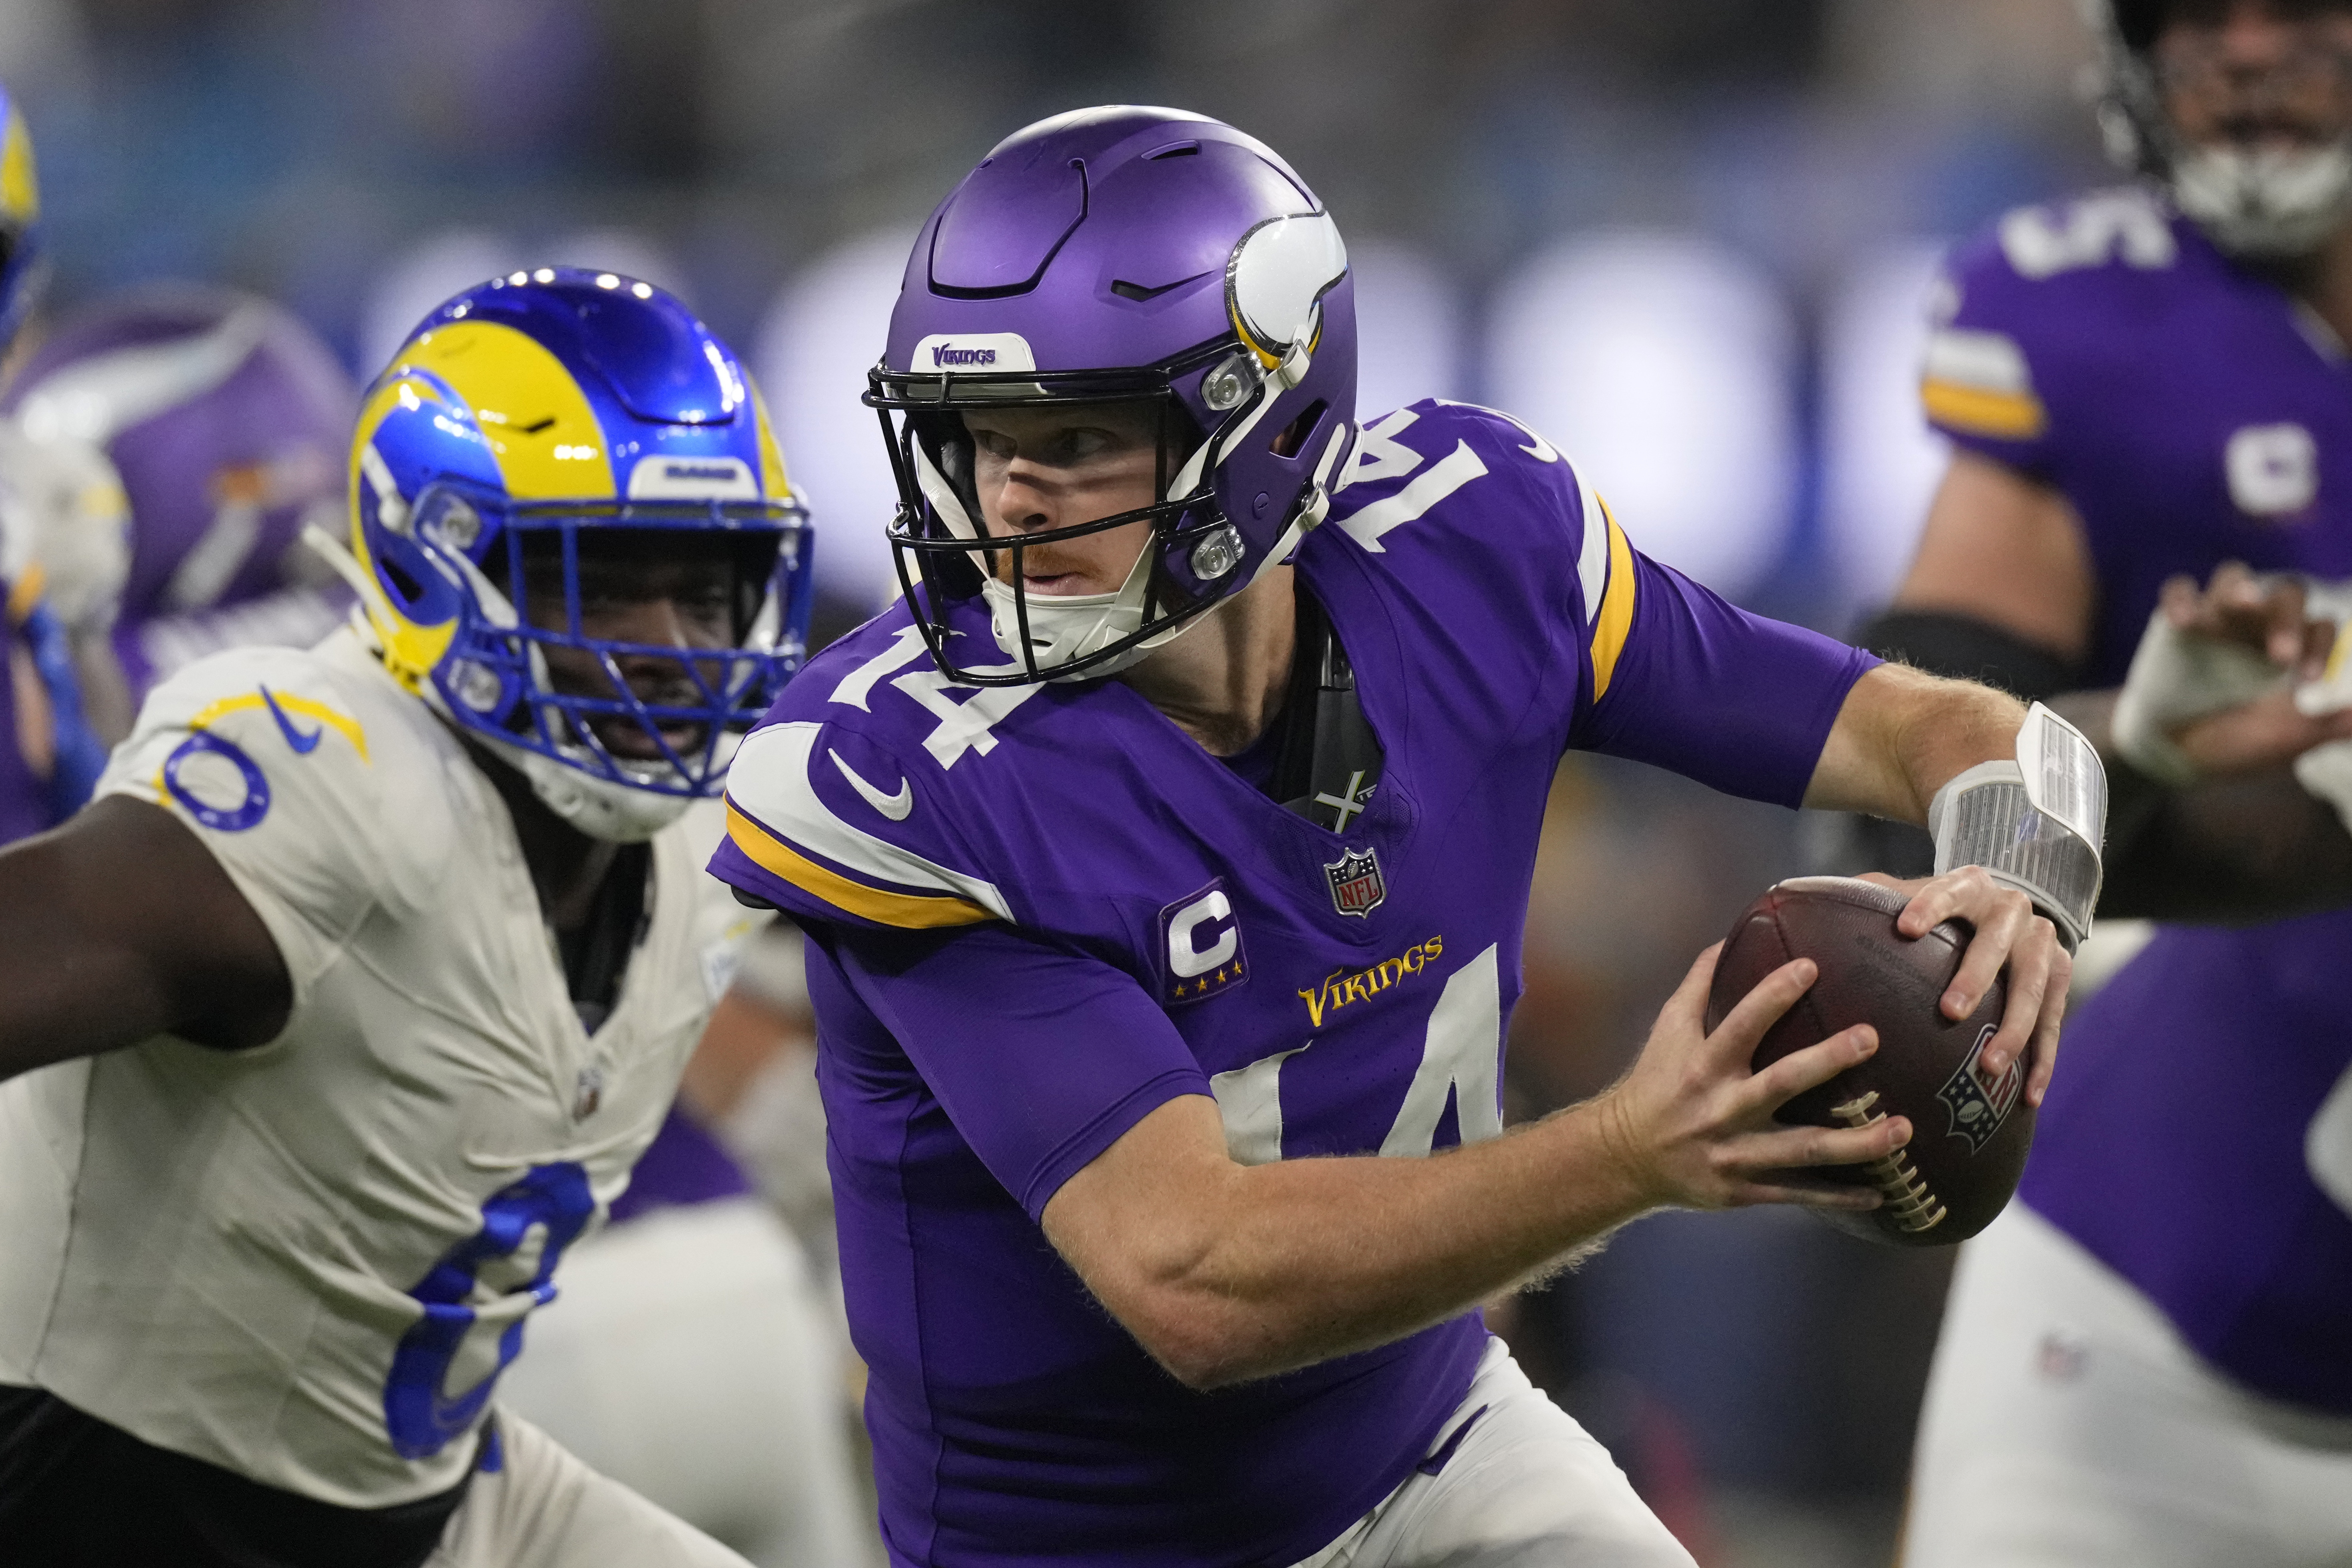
(2333, 689)
(2177, 676)
(62, 507)
(2325, 773)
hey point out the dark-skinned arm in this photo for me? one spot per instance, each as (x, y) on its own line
(2238, 848)
(119, 925)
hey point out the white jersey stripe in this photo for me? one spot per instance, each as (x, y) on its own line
(770, 780)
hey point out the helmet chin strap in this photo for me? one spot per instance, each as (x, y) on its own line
(1065, 628)
(599, 808)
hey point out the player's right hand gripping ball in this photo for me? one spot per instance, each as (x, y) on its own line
(1969, 1130)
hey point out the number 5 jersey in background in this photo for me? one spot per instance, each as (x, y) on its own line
(2197, 1138)
(306, 1262)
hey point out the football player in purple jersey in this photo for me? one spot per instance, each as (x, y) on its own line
(221, 419)
(2148, 1360)
(1166, 851)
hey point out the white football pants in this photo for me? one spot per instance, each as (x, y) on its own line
(689, 1354)
(543, 1508)
(1526, 1487)
(2067, 1423)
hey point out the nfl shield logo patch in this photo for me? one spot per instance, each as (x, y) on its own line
(1357, 886)
(1978, 1101)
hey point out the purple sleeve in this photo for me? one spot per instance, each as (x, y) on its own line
(1739, 702)
(685, 1164)
(731, 865)
(1042, 1057)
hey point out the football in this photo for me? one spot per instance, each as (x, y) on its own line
(1969, 1130)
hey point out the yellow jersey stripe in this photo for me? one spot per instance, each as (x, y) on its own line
(1972, 410)
(915, 912)
(1615, 620)
(308, 708)
(25, 593)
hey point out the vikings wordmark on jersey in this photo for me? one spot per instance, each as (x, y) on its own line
(2192, 414)
(1038, 912)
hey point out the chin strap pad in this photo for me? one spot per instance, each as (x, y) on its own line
(2035, 824)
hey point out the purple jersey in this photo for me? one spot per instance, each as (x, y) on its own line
(684, 1164)
(2191, 412)
(226, 419)
(1038, 912)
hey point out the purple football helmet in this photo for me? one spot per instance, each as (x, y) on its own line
(1118, 254)
(225, 419)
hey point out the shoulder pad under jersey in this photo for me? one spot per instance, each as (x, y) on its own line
(318, 782)
(845, 804)
(1499, 516)
(2014, 303)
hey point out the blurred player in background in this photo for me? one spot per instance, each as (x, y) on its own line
(59, 568)
(350, 1004)
(222, 421)
(1138, 865)
(2148, 1361)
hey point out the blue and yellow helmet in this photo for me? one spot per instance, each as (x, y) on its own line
(551, 406)
(23, 267)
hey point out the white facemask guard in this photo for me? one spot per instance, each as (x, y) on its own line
(2260, 201)
(1064, 628)
(2265, 201)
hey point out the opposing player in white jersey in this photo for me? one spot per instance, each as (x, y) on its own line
(352, 1000)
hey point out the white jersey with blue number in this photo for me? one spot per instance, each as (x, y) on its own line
(306, 1261)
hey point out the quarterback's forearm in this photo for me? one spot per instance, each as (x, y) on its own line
(1243, 1272)
(1902, 735)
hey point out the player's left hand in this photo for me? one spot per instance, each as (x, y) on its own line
(2220, 683)
(2008, 932)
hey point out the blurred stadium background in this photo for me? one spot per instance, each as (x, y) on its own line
(1686, 239)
